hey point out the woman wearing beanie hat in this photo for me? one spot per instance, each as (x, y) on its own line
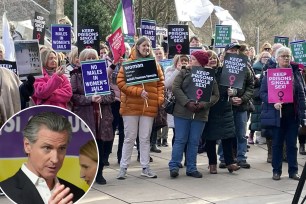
(189, 118)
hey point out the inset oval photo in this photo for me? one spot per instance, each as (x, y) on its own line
(47, 155)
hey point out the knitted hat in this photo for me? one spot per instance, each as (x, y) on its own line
(201, 56)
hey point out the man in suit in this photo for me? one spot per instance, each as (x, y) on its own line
(46, 137)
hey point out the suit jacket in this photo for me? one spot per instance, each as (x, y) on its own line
(21, 190)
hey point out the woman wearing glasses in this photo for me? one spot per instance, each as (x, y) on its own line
(284, 119)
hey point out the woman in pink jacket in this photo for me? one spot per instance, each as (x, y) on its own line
(53, 88)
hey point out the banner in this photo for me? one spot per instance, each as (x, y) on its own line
(178, 40)
(200, 88)
(88, 37)
(234, 68)
(140, 71)
(223, 35)
(39, 28)
(95, 80)
(28, 58)
(299, 52)
(280, 87)
(281, 40)
(192, 49)
(116, 43)
(9, 65)
(148, 28)
(166, 63)
(61, 37)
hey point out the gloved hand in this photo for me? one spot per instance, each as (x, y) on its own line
(191, 106)
(200, 106)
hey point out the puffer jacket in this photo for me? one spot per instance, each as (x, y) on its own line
(132, 104)
(179, 86)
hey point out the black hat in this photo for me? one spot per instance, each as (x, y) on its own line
(232, 45)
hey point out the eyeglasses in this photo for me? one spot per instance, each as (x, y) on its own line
(285, 56)
(267, 49)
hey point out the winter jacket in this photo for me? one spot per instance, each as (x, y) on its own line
(89, 111)
(179, 87)
(52, 90)
(270, 117)
(132, 104)
(220, 124)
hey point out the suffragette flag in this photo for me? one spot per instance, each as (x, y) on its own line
(124, 18)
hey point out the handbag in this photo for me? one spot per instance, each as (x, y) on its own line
(169, 104)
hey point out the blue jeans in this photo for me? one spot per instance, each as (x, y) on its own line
(187, 131)
(240, 120)
(287, 133)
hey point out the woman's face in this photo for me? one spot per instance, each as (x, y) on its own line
(103, 53)
(193, 61)
(212, 62)
(194, 43)
(88, 169)
(52, 61)
(91, 56)
(127, 52)
(284, 60)
(264, 57)
(144, 49)
(159, 55)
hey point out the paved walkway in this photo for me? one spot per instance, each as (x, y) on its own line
(245, 186)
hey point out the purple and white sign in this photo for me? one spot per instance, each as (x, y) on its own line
(61, 37)
(148, 28)
(280, 87)
(95, 78)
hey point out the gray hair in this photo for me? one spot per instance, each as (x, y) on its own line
(281, 50)
(140, 41)
(87, 51)
(53, 121)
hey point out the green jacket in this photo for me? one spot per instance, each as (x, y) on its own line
(178, 89)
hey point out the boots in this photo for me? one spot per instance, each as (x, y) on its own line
(251, 138)
(159, 142)
(269, 145)
(232, 167)
(100, 179)
(165, 143)
(302, 149)
(155, 149)
(213, 169)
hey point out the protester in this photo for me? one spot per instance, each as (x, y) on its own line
(189, 118)
(139, 106)
(194, 41)
(26, 90)
(95, 111)
(266, 47)
(284, 118)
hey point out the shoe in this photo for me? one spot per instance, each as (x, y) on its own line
(213, 169)
(138, 158)
(251, 138)
(295, 177)
(276, 176)
(244, 164)
(147, 172)
(180, 165)
(159, 142)
(100, 180)
(222, 165)
(302, 149)
(151, 159)
(165, 143)
(195, 174)
(232, 167)
(122, 174)
(260, 140)
(174, 173)
(106, 163)
(155, 149)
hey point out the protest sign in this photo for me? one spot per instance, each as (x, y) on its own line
(95, 79)
(192, 49)
(39, 28)
(200, 88)
(299, 52)
(223, 35)
(166, 63)
(116, 43)
(280, 87)
(161, 31)
(61, 37)
(281, 40)
(28, 58)
(178, 40)
(129, 39)
(88, 37)
(9, 65)
(234, 68)
(148, 28)
(140, 71)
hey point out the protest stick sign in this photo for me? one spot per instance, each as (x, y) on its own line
(148, 28)
(234, 68)
(39, 28)
(192, 49)
(140, 71)
(223, 35)
(280, 87)
(201, 85)
(178, 40)
(299, 52)
(281, 40)
(161, 31)
(9, 65)
(165, 63)
(130, 40)
(116, 43)
(88, 37)
(95, 80)
(61, 37)
(28, 58)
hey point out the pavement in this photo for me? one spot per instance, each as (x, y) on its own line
(245, 186)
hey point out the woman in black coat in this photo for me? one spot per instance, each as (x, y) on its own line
(220, 123)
